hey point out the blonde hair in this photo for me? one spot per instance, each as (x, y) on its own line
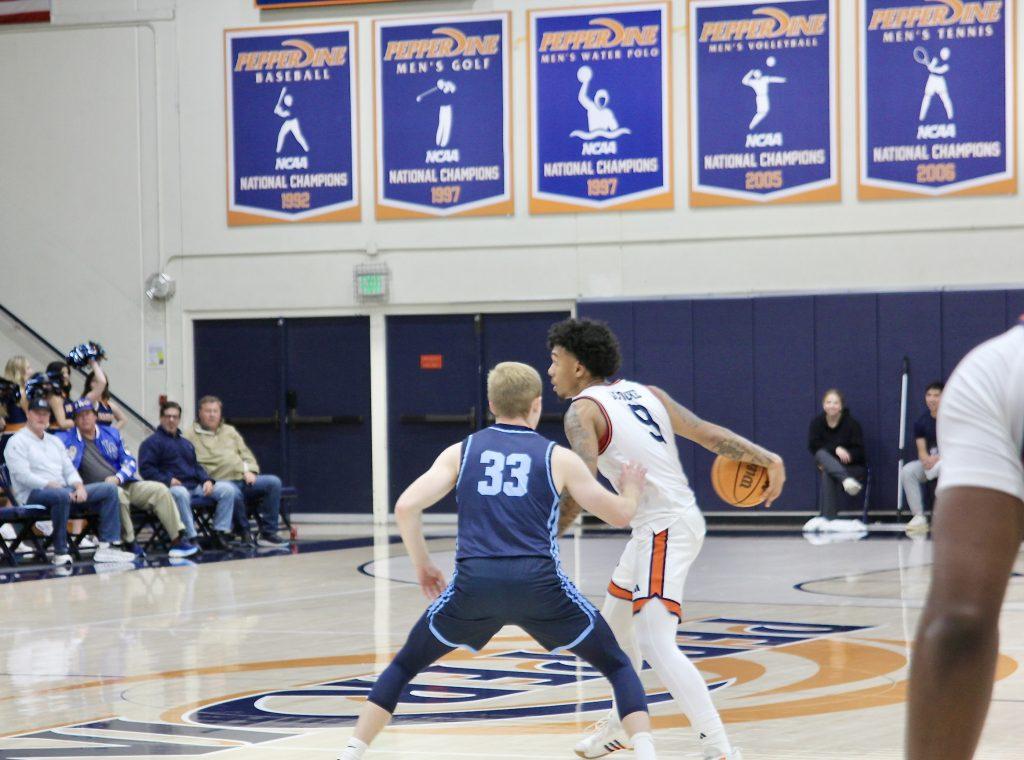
(16, 370)
(512, 388)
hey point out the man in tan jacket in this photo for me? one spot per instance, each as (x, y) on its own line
(221, 449)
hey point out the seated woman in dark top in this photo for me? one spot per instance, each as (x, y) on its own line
(837, 443)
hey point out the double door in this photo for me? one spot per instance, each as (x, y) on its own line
(298, 390)
(437, 382)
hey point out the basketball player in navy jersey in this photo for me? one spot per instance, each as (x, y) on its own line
(977, 529)
(609, 424)
(507, 481)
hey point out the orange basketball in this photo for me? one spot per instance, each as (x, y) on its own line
(741, 484)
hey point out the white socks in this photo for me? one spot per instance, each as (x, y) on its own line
(656, 633)
(643, 745)
(353, 750)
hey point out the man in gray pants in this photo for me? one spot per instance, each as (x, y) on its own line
(926, 466)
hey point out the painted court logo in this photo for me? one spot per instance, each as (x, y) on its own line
(759, 670)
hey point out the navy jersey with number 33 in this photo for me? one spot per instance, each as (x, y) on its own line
(508, 506)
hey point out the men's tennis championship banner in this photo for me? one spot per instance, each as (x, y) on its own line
(763, 101)
(443, 142)
(936, 98)
(291, 122)
(600, 109)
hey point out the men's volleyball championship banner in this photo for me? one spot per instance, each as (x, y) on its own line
(600, 109)
(936, 98)
(763, 102)
(291, 120)
(443, 116)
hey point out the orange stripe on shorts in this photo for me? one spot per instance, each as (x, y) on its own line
(618, 592)
(658, 555)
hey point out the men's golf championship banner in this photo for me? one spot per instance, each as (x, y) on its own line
(291, 121)
(600, 109)
(936, 98)
(443, 142)
(763, 101)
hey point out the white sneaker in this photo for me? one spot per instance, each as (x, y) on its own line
(734, 755)
(45, 527)
(918, 522)
(604, 737)
(107, 553)
(61, 559)
(815, 524)
(851, 486)
(88, 542)
(7, 532)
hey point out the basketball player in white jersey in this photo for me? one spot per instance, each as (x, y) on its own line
(977, 529)
(608, 425)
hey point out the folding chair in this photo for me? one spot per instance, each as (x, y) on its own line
(23, 518)
(289, 494)
(144, 520)
(203, 508)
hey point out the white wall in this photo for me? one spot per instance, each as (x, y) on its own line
(113, 167)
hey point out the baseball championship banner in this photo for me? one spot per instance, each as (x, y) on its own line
(291, 124)
(600, 109)
(443, 116)
(763, 102)
(936, 98)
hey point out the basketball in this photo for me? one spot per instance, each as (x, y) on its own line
(741, 484)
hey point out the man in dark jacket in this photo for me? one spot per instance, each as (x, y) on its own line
(168, 457)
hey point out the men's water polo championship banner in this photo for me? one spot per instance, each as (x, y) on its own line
(600, 109)
(763, 102)
(443, 133)
(936, 98)
(291, 121)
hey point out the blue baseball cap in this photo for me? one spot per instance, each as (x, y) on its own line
(84, 405)
(38, 402)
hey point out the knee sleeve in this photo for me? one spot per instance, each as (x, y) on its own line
(656, 633)
(600, 650)
(421, 649)
(619, 615)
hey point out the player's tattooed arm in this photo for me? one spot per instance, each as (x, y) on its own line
(581, 430)
(713, 437)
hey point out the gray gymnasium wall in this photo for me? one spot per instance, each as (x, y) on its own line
(113, 161)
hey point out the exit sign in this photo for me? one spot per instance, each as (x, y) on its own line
(371, 282)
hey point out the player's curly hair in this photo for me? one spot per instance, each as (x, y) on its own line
(591, 342)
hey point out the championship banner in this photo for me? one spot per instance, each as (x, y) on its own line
(936, 98)
(291, 124)
(763, 102)
(443, 126)
(276, 4)
(600, 110)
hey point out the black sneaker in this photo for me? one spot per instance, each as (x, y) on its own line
(224, 541)
(270, 539)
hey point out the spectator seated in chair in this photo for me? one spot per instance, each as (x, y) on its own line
(169, 458)
(926, 467)
(222, 451)
(42, 473)
(836, 441)
(99, 455)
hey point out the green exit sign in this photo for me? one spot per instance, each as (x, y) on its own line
(370, 285)
(371, 282)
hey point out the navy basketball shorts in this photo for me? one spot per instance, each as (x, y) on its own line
(487, 594)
